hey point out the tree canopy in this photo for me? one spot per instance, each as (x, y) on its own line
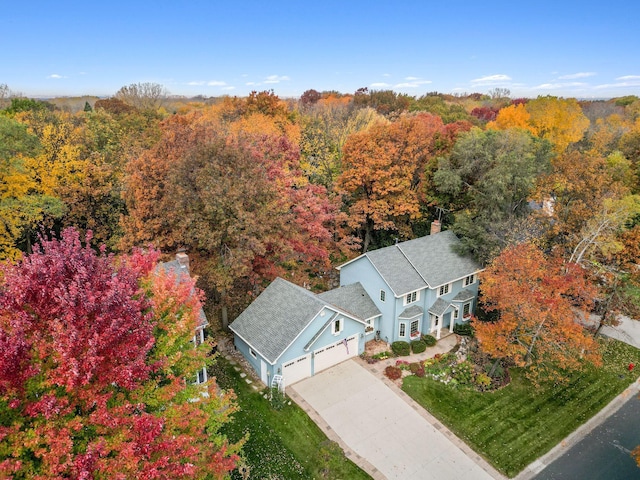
(87, 382)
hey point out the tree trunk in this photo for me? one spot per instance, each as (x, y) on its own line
(224, 318)
(493, 367)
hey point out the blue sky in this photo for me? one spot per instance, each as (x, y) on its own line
(564, 48)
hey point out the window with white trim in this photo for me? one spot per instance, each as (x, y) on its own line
(198, 338)
(412, 297)
(466, 310)
(414, 328)
(252, 353)
(470, 280)
(383, 295)
(456, 313)
(402, 331)
(444, 289)
(337, 326)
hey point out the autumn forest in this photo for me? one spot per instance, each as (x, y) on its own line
(258, 187)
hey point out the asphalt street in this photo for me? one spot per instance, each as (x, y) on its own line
(604, 453)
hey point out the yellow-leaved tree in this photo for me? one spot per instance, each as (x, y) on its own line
(559, 120)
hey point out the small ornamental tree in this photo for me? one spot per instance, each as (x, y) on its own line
(539, 301)
(91, 385)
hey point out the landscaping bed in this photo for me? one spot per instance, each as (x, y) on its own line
(516, 424)
(283, 443)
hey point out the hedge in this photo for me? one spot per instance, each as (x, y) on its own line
(418, 346)
(430, 340)
(401, 348)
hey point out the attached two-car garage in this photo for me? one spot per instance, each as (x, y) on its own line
(322, 358)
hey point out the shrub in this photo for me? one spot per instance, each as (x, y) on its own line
(463, 373)
(393, 373)
(483, 381)
(402, 364)
(401, 348)
(429, 340)
(464, 329)
(381, 355)
(418, 346)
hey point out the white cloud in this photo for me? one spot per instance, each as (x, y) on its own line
(556, 86)
(251, 84)
(492, 79)
(56, 76)
(196, 83)
(634, 82)
(379, 85)
(386, 74)
(409, 79)
(216, 83)
(577, 75)
(629, 77)
(229, 87)
(276, 79)
(413, 84)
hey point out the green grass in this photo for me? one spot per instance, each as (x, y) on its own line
(517, 424)
(283, 444)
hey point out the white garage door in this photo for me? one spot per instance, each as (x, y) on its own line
(335, 353)
(297, 369)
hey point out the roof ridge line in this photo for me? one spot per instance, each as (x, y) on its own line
(412, 265)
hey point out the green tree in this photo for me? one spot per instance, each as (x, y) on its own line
(487, 182)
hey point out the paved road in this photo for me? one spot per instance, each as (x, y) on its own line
(383, 428)
(603, 454)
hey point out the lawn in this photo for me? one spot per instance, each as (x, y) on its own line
(282, 444)
(513, 426)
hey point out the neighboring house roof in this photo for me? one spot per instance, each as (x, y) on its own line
(180, 268)
(283, 310)
(353, 299)
(425, 262)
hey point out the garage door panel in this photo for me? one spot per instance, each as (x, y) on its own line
(335, 353)
(297, 369)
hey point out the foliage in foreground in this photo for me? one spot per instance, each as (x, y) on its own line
(283, 443)
(513, 426)
(93, 360)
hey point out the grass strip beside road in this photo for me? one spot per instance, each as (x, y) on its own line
(513, 426)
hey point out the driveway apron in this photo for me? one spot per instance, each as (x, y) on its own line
(382, 428)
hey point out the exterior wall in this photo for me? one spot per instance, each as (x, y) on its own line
(296, 349)
(401, 307)
(362, 271)
(243, 348)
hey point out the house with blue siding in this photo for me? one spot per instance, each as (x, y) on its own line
(420, 286)
(293, 333)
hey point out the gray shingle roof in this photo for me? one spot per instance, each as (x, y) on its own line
(439, 307)
(428, 261)
(464, 295)
(411, 312)
(352, 299)
(276, 317)
(436, 261)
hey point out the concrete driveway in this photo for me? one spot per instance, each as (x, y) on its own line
(398, 440)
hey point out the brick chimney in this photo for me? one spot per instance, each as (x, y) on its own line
(183, 260)
(435, 227)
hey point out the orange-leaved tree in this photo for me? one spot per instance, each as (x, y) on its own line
(539, 301)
